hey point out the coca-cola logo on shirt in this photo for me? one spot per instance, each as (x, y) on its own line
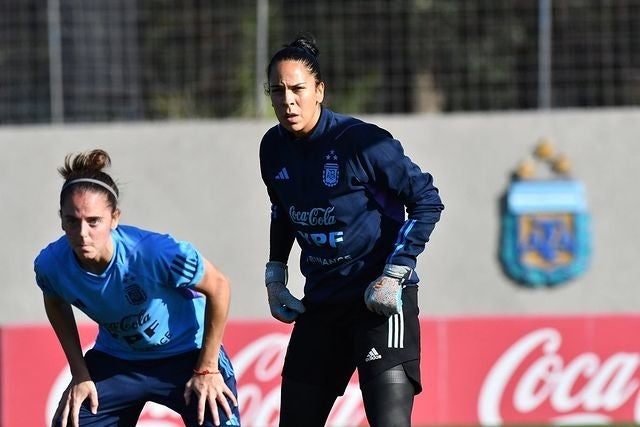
(532, 380)
(312, 217)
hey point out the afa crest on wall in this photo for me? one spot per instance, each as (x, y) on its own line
(545, 223)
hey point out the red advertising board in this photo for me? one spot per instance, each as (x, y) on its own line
(475, 370)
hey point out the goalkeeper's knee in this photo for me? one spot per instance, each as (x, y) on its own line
(388, 398)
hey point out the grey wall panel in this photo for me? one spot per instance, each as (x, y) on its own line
(200, 181)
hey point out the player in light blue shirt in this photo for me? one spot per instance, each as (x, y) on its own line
(161, 308)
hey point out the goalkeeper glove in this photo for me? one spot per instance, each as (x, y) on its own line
(284, 306)
(384, 295)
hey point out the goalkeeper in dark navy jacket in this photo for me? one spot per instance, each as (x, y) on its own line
(361, 212)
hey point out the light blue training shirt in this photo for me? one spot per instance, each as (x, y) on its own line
(143, 302)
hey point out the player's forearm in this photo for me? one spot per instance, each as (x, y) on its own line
(281, 240)
(60, 315)
(424, 207)
(217, 291)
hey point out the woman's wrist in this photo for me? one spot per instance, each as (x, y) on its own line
(205, 372)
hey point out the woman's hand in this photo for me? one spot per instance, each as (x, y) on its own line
(210, 389)
(71, 401)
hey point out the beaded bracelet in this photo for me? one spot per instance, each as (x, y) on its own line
(205, 372)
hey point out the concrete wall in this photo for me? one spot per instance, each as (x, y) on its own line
(200, 182)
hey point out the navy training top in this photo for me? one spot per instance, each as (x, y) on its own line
(341, 192)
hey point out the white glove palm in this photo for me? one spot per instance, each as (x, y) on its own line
(284, 306)
(384, 295)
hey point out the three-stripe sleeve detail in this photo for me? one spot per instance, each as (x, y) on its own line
(402, 238)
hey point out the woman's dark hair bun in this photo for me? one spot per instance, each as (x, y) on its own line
(307, 43)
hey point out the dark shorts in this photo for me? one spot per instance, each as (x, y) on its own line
(329, 342)
(124, 386)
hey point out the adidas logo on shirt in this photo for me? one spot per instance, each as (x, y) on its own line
(372, 355)
(233, 421)
(283, 174)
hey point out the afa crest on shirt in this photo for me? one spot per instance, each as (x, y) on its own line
(331, 170)
(546, 236)
(134, 294)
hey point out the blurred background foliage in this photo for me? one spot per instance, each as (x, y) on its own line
(122, 60)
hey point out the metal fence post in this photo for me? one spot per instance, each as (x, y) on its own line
(544, 54)
(56, 87)
(262, 44)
